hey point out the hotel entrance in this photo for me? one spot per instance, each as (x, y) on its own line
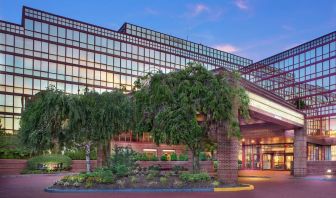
(267, 157)
(277, 161)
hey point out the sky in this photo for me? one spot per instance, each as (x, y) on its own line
(254, 29)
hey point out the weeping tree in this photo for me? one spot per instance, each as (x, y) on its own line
(115, 111)
(42, 121)
(167, 106)
(94, 119)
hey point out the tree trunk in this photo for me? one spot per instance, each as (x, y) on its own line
(109, 147)
(195, 161)
(55, 145)
(87, 157)
(100, 155)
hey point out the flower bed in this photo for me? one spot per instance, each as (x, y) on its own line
(139, 179)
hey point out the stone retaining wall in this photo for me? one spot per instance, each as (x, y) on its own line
(320, 167)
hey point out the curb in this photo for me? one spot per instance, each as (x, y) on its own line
(235, 189)
(50, 190)
(223, 189)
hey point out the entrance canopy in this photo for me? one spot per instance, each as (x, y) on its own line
(271, 116)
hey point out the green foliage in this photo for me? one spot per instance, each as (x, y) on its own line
(123, 161)
(177, 169)
(215, 183)
(203, 156)
(167, 104)
(99, 176)
(13, 153)
(150, 176)
(134, 180)
(42, 121)
(144, 157)
(215, 164)
(154, 168)
(76, 154)
(163, 180)
(183, 157)
(194, 177)
(164, 157)
(173, 157)
(49, 162)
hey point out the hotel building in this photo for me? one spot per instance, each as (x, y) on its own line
(290, 92)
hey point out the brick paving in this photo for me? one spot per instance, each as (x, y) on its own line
(275, 185)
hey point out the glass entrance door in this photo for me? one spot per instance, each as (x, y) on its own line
(267, 161)
(289, 159)
(279, 162)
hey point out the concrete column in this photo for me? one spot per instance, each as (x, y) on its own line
(300, 152)
(227, 155)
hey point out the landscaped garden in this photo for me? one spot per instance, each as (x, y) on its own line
(191, 107)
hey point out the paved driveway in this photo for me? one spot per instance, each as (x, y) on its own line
(282, 186)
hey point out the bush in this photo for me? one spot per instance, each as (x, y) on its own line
(49, 162)
(176, 169)
(155, 168)
(215, 164)
(123, 161)
(194, 177)
(13, 153)
(183, 157)
(173, 157)
(11, 148)
(164, 158)
(163, 180)
(99, 176)
(80, 154)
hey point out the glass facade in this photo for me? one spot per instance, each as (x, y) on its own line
(52, 50)
(305, 76)
(267, 156)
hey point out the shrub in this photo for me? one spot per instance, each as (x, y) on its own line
(76, 154)
(150, 176)
(216, 183)
(153, 167)
(103, 176)
(163, 180)
(173, 157)
(156, 173)
(123, 162)
(134, 179)
(13, 153)
(194, 177)
(183, 157)
(176, 169)
(178, 183)
(215, 164)
(49, 162)
(164, 158)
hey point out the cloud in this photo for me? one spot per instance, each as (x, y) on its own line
(204, 11)
(241, 4)
(198, 9)
(226, 48)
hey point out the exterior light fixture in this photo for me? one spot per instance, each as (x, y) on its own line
(243, 140)
(252, 141)
(329, 171)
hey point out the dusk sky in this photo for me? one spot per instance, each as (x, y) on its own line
(254, 29)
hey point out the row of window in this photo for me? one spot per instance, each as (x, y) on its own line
(84, 40)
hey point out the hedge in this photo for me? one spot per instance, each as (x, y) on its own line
(49, 162)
